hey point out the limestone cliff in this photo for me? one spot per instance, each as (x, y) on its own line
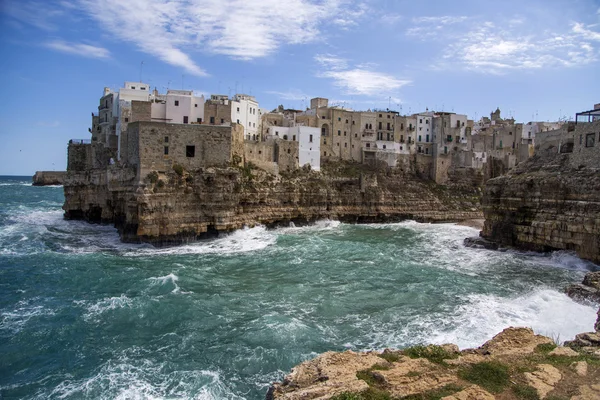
(183, 205)
(545, 203)
(45, 178)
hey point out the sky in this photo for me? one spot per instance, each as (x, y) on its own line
(535, 59)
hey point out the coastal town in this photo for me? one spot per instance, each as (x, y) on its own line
(135, 125)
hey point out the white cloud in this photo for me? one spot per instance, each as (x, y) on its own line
(35, 13)
(489, 47)
(79, 49)
(294, 95)
(359, 80)
(241, 29)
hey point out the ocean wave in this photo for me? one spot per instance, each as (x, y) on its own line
(104, 305)
(168, 281)
(15, 319)
(239, 241)
(546, 311)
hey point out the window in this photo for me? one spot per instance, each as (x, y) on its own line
(324, 141)
(427, 150)
(420, 120)
(238, 109)
(344, 133)
(212, 120)
(339, 118)
(176, 103)
(402, 126)
(222, 121)
(352, 146)
(190, 151)
(388, 116)
(185, 119)
(166, 139)
(289, 151)
(388, 126)
(133, 87)
(339, 133)
(196, 105)
(253, 125)
(419, 149)
(322, 117)
(353, 122)
(510, 133)
(400, 147)
(368, 144)
(285, 137)
(402, 138)
(126, 119)
(427, 138)
(310, 138)
(419, 138)
(355, 135)
(384, 147)
(338, 145)
(294, 138)
(345, 144)
(366, 126)
(346, 121)
(199, 120)
(325, 153)
(166, 150)
(379, 115)
(238, 121)
(380, 125)
(590, 140)
(249, 123)
(142, 88)
(445, 149)
(427, 121)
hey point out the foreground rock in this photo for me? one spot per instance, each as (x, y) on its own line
(515, 364)
(46, 178)
(180, 205)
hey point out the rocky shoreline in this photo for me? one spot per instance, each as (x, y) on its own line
(514, 364)
(181, 206)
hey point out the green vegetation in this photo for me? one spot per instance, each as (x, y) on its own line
(389, 356)
(545, 347)
(436, 394)
(369, 394)
(178, 169)
(525, 392)
(152, 176)
(435, 354)
(492, 376)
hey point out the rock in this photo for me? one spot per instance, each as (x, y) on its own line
(45, 178)
(471, 393)
(580, 292)
(580, 367)
(543, 204)
(466, 359)
(592, 279)
(514, 341)
(480, 243)
(563, 351)
(543, 379)
(307, 380)
(588, 392)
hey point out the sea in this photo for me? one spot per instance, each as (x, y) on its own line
(83, 315)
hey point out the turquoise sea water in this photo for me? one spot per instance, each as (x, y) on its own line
(85, 316)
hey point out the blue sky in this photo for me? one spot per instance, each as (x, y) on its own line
(530, 58)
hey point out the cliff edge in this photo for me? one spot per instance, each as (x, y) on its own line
(546, 203)
(180, 205)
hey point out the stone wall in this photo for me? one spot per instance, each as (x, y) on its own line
(586, 145)
(191, 146)
(79, 157)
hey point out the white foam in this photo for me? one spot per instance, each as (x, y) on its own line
(546, 311)
(240, 241)
(106, 304)
(15, 319)
(320, 225)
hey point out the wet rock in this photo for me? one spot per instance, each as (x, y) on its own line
(480, 243)
(588, 290)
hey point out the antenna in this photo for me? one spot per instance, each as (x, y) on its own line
(182, 81)
(141, 68)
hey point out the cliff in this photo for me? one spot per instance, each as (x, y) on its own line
(515, 364)
(45, 178)
(182, 205)
(546, 203)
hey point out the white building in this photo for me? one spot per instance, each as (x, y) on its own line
(245, 111)
(178, 107)
(122, 106)
(309, 143)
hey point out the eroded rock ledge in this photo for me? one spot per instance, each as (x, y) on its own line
(515, 364)
(545, 204)
(181, 205)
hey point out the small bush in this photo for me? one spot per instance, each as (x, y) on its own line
(492, 376)
(369, 394)
(435, 354)
(178, 169)
(525, 392)
(545, 347)
(152, 176)
(436, 394)
(389, 356)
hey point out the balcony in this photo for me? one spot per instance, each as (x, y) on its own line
(369, 131)
(103, 107)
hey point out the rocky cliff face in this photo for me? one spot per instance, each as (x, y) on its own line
(45, 178)
(183, 205)
(545, 204)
